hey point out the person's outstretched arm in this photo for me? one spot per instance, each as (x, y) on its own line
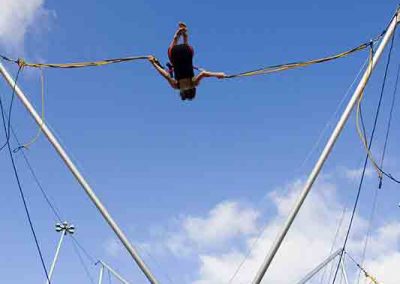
(162, 72)
(207, 74)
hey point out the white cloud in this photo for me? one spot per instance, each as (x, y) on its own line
(224, 222)
(16, 18)
(113, 247)
(355, 174)
(307, 244)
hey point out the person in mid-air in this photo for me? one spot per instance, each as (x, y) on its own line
(181, 74)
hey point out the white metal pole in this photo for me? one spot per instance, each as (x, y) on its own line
(325, 153)
(79, 177)
(101, 273)
(53, 265)
(116, 274)
(317, 269)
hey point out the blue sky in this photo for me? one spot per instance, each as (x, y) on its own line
(156, 161)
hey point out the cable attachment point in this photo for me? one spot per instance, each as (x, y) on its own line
(19, 148)
(380, 182)
(21, 62)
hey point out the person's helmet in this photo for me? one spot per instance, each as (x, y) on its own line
(188, 94)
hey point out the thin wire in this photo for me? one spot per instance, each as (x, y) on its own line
(365, 163)
(166, 274)
(330, 121)
(53, 208)
(381, 165)
(367, 275)
(369, 232)
(390, 117)
(83, 264)
(333, 246)
(80, 246)
(258, 237)
(7, 129)
(22, 195)
(109, 276)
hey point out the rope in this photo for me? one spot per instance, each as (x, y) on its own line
(333, 116)
(22, 63)
(289, 66)
(53, 208)
(367, 275)
(83, 264)
(22, 194)
(367, 158)
(88, 256)
(369, 232)
(260, 234)
(361, 131)
(39, 131)
(322, 279)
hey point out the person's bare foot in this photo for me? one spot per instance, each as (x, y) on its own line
(182, 27)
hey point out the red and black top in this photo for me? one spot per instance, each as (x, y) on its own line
(181, 57)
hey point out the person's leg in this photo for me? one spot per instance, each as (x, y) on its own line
(185, 37)
(184, 29)
(175, 40)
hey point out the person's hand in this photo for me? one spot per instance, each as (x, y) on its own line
(221, 75)
(151, 58)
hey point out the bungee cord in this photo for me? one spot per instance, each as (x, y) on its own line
(261, 71)
(293, 65)
(22, 62)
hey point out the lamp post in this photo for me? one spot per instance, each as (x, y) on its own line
(65, 229)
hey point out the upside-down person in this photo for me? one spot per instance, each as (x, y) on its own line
(182, 75)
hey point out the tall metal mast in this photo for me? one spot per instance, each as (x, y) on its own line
(79, 177)
(327, 150)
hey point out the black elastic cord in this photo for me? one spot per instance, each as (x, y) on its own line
(22, 195)
(53, 208)
(7, 129)
(390, 117)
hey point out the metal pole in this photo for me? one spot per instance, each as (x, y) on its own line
(119, 277)
(101, 274)
(79, 177)
(53, 265)
(319, 267)
(325, 153)
(64, 229)
(346, 279)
